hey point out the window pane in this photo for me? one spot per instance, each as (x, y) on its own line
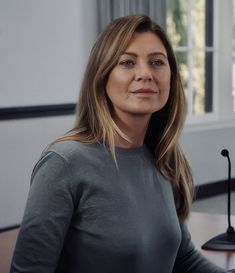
(177, 21)
(183, 67)
(190, 29)
(198, 82)
(198, 23)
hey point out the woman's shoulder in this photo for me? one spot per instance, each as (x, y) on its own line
(65, 147)
(71, 150)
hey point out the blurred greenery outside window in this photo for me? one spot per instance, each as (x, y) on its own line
(190, 29)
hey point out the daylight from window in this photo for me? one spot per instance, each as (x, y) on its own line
(188, 27)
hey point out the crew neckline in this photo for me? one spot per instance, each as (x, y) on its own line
(131, 150)
(121, 150)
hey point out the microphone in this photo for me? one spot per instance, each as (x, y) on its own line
(224, 241)
(225, 153)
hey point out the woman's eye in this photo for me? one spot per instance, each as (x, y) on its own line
(127, 63)
(156, 63)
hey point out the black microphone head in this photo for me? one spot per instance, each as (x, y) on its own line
(224, 152)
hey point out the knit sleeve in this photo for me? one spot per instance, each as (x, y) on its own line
(47, 216)
(190, 260)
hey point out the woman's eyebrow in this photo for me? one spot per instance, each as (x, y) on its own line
(150, 54)
(158, 53)
(129, 53)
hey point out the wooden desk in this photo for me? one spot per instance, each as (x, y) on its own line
(203, 227)
(7, 245)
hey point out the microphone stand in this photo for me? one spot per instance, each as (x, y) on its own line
(224, 241)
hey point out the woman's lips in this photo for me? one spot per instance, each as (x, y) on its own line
(145, 91)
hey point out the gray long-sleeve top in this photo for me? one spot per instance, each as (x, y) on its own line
(85, 215)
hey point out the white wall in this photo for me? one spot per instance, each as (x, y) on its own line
(27, 70)
(43, 49)
(203, 150)
(22, 142)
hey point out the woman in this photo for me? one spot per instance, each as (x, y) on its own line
(112, 194)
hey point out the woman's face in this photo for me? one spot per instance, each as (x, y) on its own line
(140, 83)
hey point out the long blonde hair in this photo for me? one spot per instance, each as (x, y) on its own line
(94, 121)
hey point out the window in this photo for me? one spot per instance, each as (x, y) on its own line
(190, 29)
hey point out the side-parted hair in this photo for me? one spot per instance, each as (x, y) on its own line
(94, 121)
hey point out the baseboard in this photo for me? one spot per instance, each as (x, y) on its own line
(212, 189)
(9, 228)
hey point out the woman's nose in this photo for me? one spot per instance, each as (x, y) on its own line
(143, 73)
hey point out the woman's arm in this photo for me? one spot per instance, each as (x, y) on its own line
(190, 260)
(47, 216)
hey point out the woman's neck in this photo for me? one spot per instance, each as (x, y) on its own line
(134, 128)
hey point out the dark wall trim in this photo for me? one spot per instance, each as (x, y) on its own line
(25, 112)
(5, 229)
(212, 189)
